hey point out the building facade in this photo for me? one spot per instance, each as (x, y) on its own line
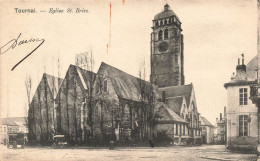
(72, 104)
(221, 129)
(7, 126)
(207, 131)
(241, 113)
(42, 110)
(181, 99)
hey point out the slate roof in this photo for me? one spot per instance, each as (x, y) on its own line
(175, 103)
(176, 91)
(54, 84)
(165, 14)
(251, 69)
(128, 86)
(8, 122)
(84, 75)
(18, 119)
(205, 122)
(168, 114)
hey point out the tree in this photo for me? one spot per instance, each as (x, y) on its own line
(58, 100)
(86, 61)
(47, 137)
(147, 100)
(142, 86)
(30, 122)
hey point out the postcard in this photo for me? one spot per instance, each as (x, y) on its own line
(129, 80)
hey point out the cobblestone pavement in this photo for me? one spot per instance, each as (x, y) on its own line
(204, 152)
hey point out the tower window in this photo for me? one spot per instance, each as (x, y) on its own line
(170, 20)
(166, 34)
(156, 23)
(174, 33)
(243, 96)
(160, 35)
(165, 21)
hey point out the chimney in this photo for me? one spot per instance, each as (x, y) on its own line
(216, 120)
(233, 76)
(225, 112)
(220, 116)
(241, 69)
(243, 59)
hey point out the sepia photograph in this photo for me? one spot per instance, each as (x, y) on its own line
(129, 80)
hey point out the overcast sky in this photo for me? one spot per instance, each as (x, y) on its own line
(215, 33)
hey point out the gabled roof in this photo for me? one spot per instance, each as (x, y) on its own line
(54, 84)
(18, 119)
(205, 122)
(175, 103)
(166, 114)
(8, 122)
(251, 68)
(128, 86)
(176, 91)
(84, 75)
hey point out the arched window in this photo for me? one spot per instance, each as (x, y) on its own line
(166, 34)
(160, 35)
(165, 21)
(163, 96)
(161, 23)
(126, 120)
(105, 86)
(156, 23)
(97, 87)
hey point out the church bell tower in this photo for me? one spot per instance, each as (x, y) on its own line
(167, 50)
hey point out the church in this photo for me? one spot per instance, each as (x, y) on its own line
(95, 108)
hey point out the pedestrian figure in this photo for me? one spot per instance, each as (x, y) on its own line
(151, 143)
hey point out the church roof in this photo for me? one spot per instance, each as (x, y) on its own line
(176, 91)
(54, 84)
(128, 86)
(175, 103)
(166, 114)
(205, 122)
(85, 76)
(165, 14)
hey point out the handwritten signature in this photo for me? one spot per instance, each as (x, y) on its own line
(16, 42)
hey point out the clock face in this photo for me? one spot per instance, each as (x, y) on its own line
(163, 46)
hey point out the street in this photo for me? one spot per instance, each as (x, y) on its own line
(204, 152)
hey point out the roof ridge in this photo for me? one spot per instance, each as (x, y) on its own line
(82, 68)
(251, 60)
(125, 72)
(186, 85)
(51, 75)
